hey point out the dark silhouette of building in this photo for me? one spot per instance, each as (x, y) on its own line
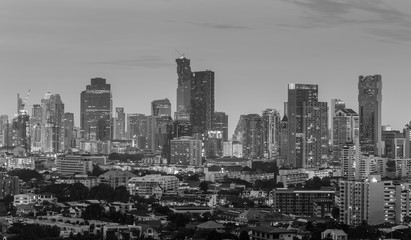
(253, 136)
(183, 89)
(202, 101)
(96, 110)
(370, 101)
(298, 96)
(68, 128)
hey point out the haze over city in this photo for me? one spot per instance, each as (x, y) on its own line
(255, 50)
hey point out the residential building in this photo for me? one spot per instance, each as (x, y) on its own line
(270, 133)
(183, 89)
(153, 184)
(120, 124)
(52, 131)
(345, 129)
(9, 186)
(220, 123)
(116, 178)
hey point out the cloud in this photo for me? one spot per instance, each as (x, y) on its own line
(144, 61)
(220, 26)
(376, 17)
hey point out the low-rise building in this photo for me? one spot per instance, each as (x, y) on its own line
(334, 234)
(155, 184)
(74, 164)
(271, 233)
(116, 178)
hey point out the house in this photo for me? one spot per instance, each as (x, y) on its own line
(334, 234)
(271, 233)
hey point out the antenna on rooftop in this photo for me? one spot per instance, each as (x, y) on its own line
(179, 53)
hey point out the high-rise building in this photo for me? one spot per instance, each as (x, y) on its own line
(4, 125)
(96, 110)
(22, 126)
(336, 104)
(52, 133)
(220, 123)
(284, 138)
(160, 123)
(299, 95)
(349, 157)
(120, 124)
(68, 128)
(271, 133)
(253, 136)
(392, 147)
(370, 102)
(186, 151)
(183, 89)
(134, 125)
(35, 125)
(182, 128)
(202, 101)
(345, 129)
(315, 134)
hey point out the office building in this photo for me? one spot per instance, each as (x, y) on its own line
(160, 124)
(299, 95)
(52, 133)
(394, 144)
(253, 136)
(96, 110)
(135, 127)
(183, 89)
(120, 124)
(74, 164)
(336, 104)
(220, 123)
(271, 133)
(283, 150)
(202, 101)
(182, 128)
(186, 151)
(213, 144)
(370, 106)
(68, 128)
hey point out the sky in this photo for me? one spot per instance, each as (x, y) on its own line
(254, 47)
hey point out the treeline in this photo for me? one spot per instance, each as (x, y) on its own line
(78, 192)
(125, 157)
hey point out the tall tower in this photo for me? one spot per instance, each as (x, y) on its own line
(159, 123)
(183, 89)
(120, 124)
(298, 96)
(271, 133)
(336, 104)
(52, 123)
(202, 101)
(96, 110)
(370, 101)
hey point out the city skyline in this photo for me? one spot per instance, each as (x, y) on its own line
(60, 47)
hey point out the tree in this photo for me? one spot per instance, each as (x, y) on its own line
(121, 194)
(102, 192)
(97, 171)
(204, 186)
(181, 221)
(93, 211)
(335, 213)
(26, 174)
(244, 235)
(78, 192)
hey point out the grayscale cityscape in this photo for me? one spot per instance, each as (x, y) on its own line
(205, 120)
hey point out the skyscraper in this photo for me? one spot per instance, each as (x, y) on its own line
(284, 138)
(160, 123)
(52, 133)
(183, 89)
(96, 110)
(315, 134)
(202, 101)
(345, 129)
(252, 138)
(220, 123)
(120, 124)
(370, 101)
(134, 124)
(68, 128)
(299, 95)
(271, 133)
(336, 104)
